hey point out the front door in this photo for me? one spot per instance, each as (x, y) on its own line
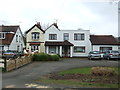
(66, 51)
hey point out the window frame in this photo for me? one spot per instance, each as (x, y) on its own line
(79, 36)
(3, 35)
(82, 47)
(36, 47)
(35, 35)
(66, 36)
(52, 36)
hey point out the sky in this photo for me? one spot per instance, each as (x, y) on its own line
(98, 16)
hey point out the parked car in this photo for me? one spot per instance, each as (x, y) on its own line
(94, 55)
(1, 54)
(11, 54)
(111, 54)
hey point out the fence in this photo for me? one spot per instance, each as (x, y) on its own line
(16, 63)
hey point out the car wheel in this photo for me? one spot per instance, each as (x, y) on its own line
(108, 58)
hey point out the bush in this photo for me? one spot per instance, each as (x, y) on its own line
(55, 57)
(103, 71)
(44, 57)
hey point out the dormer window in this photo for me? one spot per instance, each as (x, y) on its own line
(2, 35)
(35, 35)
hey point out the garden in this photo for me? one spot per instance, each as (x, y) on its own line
(97, 77)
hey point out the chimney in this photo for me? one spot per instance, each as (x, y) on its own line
(55, 24)
(38, 24)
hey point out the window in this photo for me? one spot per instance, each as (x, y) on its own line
(103, 49)
(1, 48)
(78, 49)
(52, 49)
(16, 38)
(19, 38)
(2, 35)
(79, 36)
(35, 35)
(66, 36)
(52, 36)
(34, 48)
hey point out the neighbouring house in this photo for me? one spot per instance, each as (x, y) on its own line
(35, 39)
(67, 43)
(104, 42)
(11, 38)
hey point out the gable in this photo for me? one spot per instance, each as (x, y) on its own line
(35, 27)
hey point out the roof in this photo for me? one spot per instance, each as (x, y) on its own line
(61, 43)
(38, 26)
(8, 39)
(103, 40)
(8, 36)
(54, 24)
(8, 28)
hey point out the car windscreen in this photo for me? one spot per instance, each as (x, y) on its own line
(114, 52)
(95, 52)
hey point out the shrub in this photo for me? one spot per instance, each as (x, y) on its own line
(55, 57)
(103, 71)
(45, 57)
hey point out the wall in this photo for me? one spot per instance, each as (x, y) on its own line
(14, 44)
(86, 42)
(29, 39)
(96, 47)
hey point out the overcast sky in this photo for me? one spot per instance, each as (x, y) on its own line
(98, 17)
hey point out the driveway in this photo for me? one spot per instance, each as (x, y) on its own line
(25, 76)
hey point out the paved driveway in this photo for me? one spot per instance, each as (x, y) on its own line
(25, 76)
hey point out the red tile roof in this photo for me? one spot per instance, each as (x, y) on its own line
(62, 43)
(103, 40)
(8, 36)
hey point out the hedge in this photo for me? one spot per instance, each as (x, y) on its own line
(45, 57)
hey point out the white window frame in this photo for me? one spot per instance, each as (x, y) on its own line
(79, 47)
(79, 36)
(35, 35)
(66, 36)
(2, 36)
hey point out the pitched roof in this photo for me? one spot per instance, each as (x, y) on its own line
(8, 28)
(54, 24)
(103, 40)
(38, 26)
(8, 39)
(61, 43)
(8, 36)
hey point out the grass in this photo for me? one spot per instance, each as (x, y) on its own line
(86, 70)
(76, 71)
(78, 84)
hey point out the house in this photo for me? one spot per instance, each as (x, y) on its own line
(35, 39)
(11, 38)
(104, 42)
(67, 43)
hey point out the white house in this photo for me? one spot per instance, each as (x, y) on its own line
(67, 43)
(11, 38)
(104, 42)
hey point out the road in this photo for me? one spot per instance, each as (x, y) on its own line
(24, 77)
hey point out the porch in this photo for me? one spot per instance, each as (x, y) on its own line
(64, 49)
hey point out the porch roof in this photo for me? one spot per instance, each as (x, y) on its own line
(61, 43)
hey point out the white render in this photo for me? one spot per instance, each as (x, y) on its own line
(97, 47)
(86, 42)
(14, 45)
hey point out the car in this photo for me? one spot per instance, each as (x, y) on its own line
(94, 55)
(111, 54)
(10, 54)
(1, 54)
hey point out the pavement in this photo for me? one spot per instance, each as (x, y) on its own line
(25, 76)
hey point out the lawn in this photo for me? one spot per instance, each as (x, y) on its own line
(82, 77)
